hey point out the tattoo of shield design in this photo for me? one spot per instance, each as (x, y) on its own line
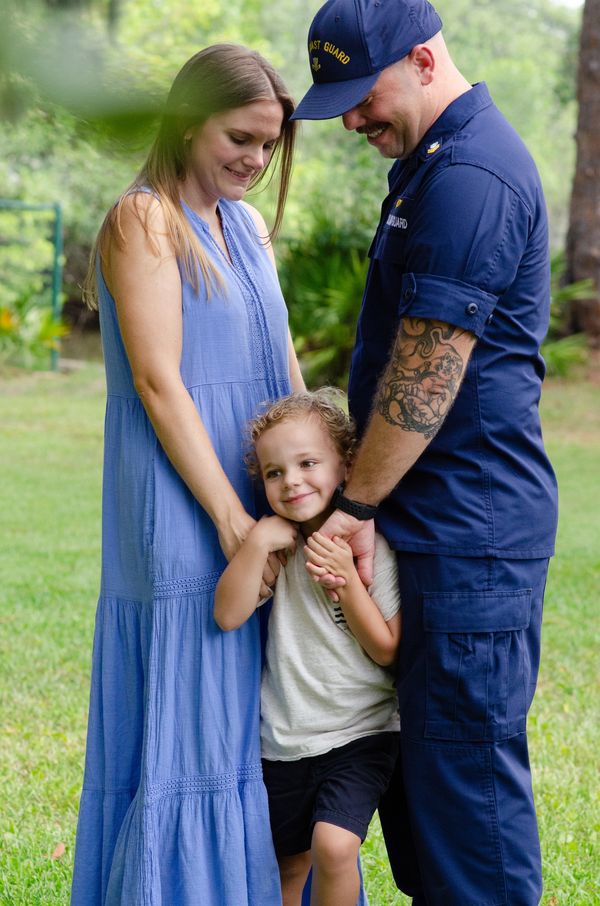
(422, 378)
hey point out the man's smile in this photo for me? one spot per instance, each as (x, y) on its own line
(374, 131)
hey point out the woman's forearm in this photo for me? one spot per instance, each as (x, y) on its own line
(144, 279)
(185, 440)
(296, 379)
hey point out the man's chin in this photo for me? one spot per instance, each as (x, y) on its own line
(394, 153)
(387, 147)
(388, 153)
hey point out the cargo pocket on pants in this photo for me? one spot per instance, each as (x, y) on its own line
(477, 664)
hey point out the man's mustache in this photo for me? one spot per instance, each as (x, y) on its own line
(362, 130)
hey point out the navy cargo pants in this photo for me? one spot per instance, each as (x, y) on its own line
(459, 819)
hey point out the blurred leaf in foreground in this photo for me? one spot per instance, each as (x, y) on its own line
(64, 57)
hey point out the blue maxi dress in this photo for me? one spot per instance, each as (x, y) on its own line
(173, 810)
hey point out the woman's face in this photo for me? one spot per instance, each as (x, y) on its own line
(229, 149)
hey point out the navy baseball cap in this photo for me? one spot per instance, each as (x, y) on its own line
(351, 41)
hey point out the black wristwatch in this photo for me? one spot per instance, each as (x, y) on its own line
(362, 511)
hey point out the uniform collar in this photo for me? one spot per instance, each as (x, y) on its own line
(452, 119)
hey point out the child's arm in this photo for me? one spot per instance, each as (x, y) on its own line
(238, 590)
(378, 637)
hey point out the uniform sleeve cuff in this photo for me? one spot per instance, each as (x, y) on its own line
(446, 299)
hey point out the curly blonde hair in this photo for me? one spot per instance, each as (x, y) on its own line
(321, 404)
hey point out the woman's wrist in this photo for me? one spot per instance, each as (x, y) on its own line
(227, 512)
(233, 525)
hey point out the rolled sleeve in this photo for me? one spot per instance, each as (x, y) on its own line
(446, 299)
(456, 249)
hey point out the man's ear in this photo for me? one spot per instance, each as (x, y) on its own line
(422, 57)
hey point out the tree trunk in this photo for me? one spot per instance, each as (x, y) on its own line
(583, 239)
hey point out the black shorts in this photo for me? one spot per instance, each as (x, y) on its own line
(342, 787)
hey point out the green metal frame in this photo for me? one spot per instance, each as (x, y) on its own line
(57, 241)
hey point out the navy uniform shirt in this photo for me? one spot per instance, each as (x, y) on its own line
(463, 239)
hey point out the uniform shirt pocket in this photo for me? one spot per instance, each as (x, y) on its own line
(477, 663)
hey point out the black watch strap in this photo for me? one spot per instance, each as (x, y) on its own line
(362, 511)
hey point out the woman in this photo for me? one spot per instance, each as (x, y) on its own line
(194, 328)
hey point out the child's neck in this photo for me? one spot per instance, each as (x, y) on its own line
(314, 524)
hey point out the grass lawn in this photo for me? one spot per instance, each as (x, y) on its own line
(50, 456)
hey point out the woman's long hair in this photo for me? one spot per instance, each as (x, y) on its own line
(221, 77)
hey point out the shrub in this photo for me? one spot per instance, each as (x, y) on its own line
(563, 351)
(28, 329)
(323, 277)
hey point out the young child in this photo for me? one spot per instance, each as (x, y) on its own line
(329, 714)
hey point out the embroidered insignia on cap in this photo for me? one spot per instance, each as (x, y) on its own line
(315, 64)
(434, 146)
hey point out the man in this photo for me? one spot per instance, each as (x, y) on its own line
(444, 385)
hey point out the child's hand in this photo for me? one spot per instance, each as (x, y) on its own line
(330, 555)
(276, 533)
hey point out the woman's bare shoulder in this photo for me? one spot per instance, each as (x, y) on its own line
(140, 208)
(137, 217)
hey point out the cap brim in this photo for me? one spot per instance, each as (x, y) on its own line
(329, 99)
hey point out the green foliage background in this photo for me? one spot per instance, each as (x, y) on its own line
(524, 49)
(79, 102)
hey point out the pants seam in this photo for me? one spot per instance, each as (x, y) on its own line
(494, 820)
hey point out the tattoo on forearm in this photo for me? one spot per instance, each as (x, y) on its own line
(422, 378)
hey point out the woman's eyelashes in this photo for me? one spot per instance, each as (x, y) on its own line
(245, 140)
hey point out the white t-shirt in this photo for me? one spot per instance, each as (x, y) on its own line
(320, 690)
